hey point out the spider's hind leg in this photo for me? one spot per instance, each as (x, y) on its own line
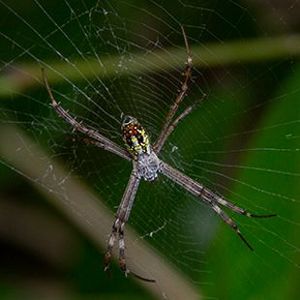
(111, 241)
(231, 223)
(218, 200)
(122, 260)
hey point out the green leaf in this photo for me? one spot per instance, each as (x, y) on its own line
(268, 182)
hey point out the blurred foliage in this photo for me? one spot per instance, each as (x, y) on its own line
(277, 282)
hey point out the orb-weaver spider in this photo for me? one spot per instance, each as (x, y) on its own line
(147, 165)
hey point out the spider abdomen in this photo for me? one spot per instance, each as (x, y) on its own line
(135, 137)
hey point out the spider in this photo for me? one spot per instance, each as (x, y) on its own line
(148, 166)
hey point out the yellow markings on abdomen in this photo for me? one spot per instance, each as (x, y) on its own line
(136, 139)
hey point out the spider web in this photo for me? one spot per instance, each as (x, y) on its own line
(242, 141)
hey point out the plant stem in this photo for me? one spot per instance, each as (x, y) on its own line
(27, 75)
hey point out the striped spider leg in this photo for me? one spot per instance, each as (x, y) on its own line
(122, 216)
(169, 126)
(98, 139)
(210, 198)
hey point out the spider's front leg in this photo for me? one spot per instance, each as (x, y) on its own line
(167, 128)
(95, 137)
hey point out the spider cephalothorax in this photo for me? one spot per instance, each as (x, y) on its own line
(138, 145)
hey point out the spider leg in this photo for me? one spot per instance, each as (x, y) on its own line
(238, 209)
(111, 241)
(122, 217)
(102, 141)
(198, 189)
(119, 151)
(182, 93)
(209, 198)
(172, 126)
(230, 222)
